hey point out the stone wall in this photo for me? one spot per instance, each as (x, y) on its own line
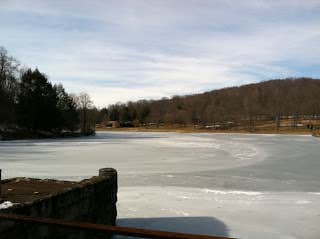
(93, 200)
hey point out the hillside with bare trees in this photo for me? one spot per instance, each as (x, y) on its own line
(292, 102)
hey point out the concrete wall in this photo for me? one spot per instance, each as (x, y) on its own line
(94, 200)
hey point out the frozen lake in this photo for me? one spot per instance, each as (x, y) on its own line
(237, 185)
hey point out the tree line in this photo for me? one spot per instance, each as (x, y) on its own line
(30, 102)
(128, 114)
(272, 100)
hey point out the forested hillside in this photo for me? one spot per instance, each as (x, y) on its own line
(273, 100)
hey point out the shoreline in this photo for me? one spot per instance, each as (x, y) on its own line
(193, 130)
(10, 136)
(25, 135)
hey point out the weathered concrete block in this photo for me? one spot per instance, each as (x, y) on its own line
(91, 200)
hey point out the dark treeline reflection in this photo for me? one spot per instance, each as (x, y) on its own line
(30, 103)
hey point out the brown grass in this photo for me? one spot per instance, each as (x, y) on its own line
(195, 130)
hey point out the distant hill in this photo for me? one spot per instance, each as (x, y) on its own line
(274, 98)
(269, 100)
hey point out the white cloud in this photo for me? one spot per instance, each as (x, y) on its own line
(128, 50)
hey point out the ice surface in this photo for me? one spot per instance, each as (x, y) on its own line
(235, 214)
(238, 185)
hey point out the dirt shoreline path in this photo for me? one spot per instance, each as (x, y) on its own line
(193, 130)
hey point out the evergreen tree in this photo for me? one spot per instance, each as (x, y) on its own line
(68, 109)
(37, 103)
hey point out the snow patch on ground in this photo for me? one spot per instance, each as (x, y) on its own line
(6, 204)
(303, 202)
(233, 192)
(315, 193)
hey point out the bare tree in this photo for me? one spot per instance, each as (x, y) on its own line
(8, 85)
(85, 104)
(249, 106)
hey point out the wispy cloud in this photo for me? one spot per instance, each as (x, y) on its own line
(129, 50)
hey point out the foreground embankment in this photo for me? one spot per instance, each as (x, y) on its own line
(91, 200)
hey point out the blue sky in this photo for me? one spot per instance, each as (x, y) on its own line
(136, 49)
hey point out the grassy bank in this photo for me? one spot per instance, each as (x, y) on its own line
(196, 130)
